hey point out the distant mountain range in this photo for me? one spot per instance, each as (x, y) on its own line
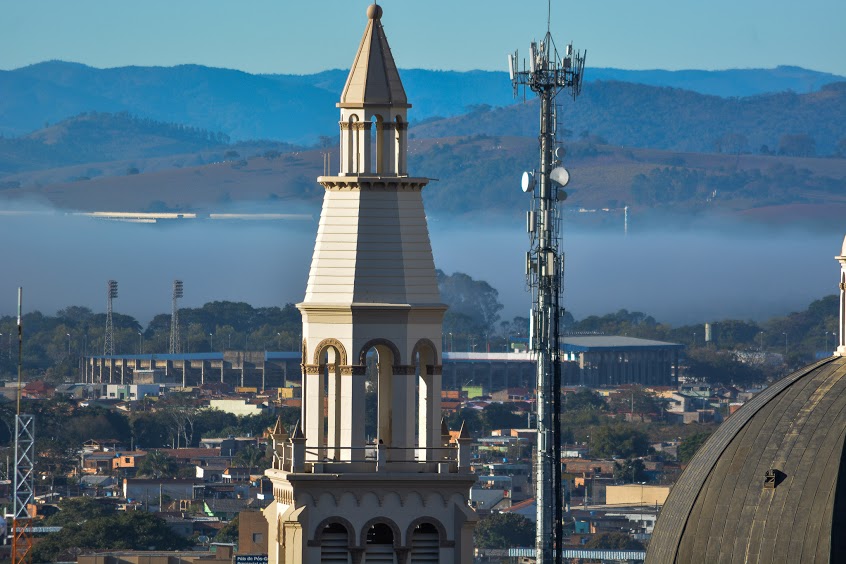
(197, 138)
(300, 108)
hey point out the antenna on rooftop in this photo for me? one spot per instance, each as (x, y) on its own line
(549, 73)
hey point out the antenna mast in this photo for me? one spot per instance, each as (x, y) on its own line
(548, 75)
(109, 336)
(175, 345)
(24, 465)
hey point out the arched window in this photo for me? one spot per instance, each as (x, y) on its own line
(334, 545)
(379, 546)
(425, 544)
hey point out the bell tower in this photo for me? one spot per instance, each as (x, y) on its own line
(372, 327)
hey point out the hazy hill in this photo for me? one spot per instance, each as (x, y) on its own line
(672, 119)
(98, 137)
(301, 108)
(479, 176)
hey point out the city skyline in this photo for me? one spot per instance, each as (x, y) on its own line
(264, 38)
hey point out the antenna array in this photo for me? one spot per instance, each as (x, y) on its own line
(175, 344)
(548, 75)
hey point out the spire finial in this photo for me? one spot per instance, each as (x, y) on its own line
(374, 11)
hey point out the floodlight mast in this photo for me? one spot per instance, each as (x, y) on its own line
(547, 76)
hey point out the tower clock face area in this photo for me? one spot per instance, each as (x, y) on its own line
(397, 485)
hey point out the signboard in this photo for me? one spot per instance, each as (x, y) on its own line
(251, 559)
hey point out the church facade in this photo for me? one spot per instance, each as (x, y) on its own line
(372, 323)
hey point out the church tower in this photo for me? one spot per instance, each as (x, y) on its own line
(372, 325)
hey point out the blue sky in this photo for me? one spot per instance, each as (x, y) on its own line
(282, 36)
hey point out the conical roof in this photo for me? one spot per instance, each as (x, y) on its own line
(374, 78)
(770, 484)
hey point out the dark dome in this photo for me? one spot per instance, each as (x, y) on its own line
(770, 484)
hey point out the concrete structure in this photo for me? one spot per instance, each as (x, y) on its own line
(611, 361)
(636, 494)
(237, 406)
(260, 369)
(770, 484)
(130, 392)
(372, 295)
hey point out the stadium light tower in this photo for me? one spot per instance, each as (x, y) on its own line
(175, 345)
(548, 74)
(109, 337)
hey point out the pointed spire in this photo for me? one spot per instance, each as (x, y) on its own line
(374, 78)
(298, 431)
(464, 433)
(279, 432)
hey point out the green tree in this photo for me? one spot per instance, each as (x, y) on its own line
(229, 532)
(688, 447)
(474, 305)
(619, 440)
(614, 541)
(504, 530)
(630, 471)
(133, 530)
(157, 464)
(501, 416)
(584, 399)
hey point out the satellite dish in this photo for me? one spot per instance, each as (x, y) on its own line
(560, 175)
(528, 181)
(560, 152)
(561, 195)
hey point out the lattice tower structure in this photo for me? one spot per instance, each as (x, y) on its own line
(24, 483)
(109, 336)
(548, 75)
(175, 342)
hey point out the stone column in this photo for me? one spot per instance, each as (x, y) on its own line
(352, 411)
(313, 398)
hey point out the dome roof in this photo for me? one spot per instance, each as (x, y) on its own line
(770, 484)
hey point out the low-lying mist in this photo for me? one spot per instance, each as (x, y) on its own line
(678, 276)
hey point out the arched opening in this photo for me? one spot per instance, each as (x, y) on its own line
(377, 160)
(352, 144)
(379, 547)
(385, 419)
(334, 544)
(322, 386)
(399, 145)
(425, 544)
(428, 402)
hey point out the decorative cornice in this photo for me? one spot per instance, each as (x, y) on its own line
(310, 369)
(372, 182)
(353, 370)
(404, 370)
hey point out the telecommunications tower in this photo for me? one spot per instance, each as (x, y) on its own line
(109, 337)
(175, 346)
(24, 483)
(548, 75)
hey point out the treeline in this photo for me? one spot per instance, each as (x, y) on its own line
(55, 344)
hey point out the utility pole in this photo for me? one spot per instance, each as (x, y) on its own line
(547, 76)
